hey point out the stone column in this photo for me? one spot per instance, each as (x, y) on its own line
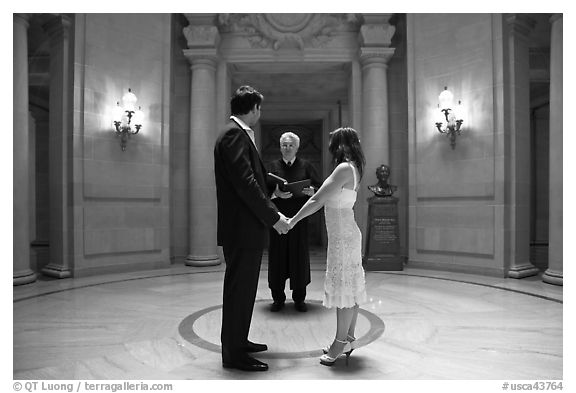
(202, 39)
(518, 154)
(22, 274)
(60, 146)
(554, 273)
(375, 38)
(355, 96)
(32, 214)
(375, 132)
(223, 94)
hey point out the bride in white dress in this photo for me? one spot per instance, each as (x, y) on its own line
(344, 284)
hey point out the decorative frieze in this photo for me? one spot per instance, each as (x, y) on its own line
(287, 30)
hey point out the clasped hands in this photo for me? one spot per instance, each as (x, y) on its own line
(283, 225)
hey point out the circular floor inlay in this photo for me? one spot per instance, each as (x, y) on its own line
(285, 329)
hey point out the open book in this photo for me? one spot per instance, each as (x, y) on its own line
(295, 187)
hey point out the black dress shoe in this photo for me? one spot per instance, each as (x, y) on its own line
(301, 306)
(246, 363)
(277, 306)
(254, 347)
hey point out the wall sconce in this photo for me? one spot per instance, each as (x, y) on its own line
(126, 116)
(449, 120)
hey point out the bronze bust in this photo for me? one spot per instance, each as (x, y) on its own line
(382, 188)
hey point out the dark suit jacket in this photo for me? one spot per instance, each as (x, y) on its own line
(245, 213)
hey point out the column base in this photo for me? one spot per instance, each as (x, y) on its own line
(208, 260)
(553, 277)
(23, 277)
(56, 271)
(521, 271)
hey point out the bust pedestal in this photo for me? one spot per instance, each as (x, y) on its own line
(382, 240)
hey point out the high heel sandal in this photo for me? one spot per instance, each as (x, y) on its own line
(350, 339)
(327, 360)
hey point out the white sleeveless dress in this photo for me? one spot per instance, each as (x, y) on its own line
(344, 284)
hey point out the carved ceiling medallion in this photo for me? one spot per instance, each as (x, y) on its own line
(288, 23)
(285, 30)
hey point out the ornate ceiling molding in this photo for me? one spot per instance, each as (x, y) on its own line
(287, 30)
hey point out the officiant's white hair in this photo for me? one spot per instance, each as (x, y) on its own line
(290, 135)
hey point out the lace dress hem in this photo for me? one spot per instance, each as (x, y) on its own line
(344, 301)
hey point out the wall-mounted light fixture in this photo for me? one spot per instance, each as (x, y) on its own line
(127, 120)
(449, 120)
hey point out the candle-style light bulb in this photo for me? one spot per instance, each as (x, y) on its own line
(138, 117)
(129, 100)
(117, 112)
(446, 99)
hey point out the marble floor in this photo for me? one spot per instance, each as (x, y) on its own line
(165, 324)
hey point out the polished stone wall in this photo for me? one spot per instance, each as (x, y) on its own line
(121, 198)
(456, 195)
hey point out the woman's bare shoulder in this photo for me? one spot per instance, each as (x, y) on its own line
(344, 171)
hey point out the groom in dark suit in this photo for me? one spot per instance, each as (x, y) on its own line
(245, 214)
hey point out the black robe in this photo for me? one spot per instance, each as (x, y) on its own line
(288, 255)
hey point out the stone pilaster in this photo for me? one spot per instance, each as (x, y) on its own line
(518, 151)
(554, 273)
(203, 39)
(60, 146)
(22, 274)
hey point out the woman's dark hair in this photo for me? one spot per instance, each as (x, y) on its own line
(345, 147)
(244, 100)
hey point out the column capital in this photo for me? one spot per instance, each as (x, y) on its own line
(372, 55)
(520, 24)
(202, 36)
(376, 30)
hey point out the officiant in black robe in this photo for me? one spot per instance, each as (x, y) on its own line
(288, 255)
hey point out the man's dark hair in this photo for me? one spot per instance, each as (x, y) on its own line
(244, 100)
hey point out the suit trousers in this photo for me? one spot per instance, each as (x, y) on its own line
(240, 285)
